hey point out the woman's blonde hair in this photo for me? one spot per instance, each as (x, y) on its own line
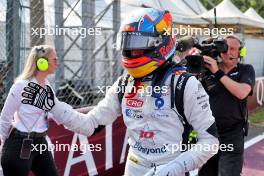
(30, 67)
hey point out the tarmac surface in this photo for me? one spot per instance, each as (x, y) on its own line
(254, 153)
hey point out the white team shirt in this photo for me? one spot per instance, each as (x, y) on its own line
(23, 117)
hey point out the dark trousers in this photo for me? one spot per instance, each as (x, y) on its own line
(223, 164)
(226, 163)
(40, 164)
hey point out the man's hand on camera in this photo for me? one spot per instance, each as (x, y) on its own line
(210, 64)
(37, 96)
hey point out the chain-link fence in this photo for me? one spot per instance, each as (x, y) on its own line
(83, 33)
(84, 39)
(10, 26)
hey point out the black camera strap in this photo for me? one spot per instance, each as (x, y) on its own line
(177, 104)
(243, 103)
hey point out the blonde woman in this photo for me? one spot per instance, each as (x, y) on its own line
(23, 126)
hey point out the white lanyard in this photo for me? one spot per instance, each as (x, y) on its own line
(32, 127)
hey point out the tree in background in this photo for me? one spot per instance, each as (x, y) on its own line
(243, 5)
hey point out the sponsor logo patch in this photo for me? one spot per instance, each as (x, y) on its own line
(159, 103)
(159, 115)
(147, 150)
(134, 103)
(130, 113)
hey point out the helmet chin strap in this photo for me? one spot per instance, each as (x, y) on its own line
(160, 75)
(164, 65)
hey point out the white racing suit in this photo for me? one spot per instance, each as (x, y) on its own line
(154, 129)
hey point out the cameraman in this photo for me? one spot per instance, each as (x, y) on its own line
(228, 85)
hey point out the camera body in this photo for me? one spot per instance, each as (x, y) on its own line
(210, 47)
(213, 47)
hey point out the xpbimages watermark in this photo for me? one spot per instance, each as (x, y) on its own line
(141, 90)
(71, 31)
(198, 147)
(83, 148)
(183, 30)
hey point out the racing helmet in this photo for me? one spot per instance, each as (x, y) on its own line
(145, 41)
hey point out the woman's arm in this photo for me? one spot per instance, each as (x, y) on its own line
(11, 105)
(104, 113)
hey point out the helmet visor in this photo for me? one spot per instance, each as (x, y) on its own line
(137, 40)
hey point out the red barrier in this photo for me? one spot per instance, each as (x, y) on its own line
(110, 160)
(257, 99)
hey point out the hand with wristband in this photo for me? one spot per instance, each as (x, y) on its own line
(211, 64)
(228, 89)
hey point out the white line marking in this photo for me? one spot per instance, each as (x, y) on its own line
(254, 140)
(247, 145)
